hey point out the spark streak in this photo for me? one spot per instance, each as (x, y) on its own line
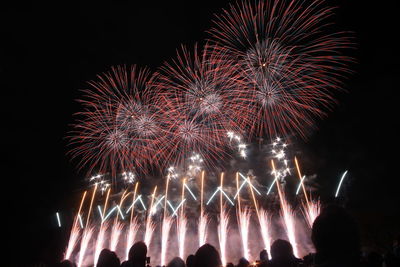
(58, 219)
(340, 183)
(223, 225)
(133, 226)
(182, 224)
(150, 226)
(243, 218)
(166, 227)
(74, 235)
(102, 230)
(203, 221)
(288, 217)
(87, 235)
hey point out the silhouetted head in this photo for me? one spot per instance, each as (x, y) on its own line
(207, 256)
(281, 250)
(138, 253)
(190, 260)
(230, 264)
(108, 258)
(263, 255)
(243, 262)
(335, 235)
(176, 262)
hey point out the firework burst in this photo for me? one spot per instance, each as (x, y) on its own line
(202, 101)
(289, 59)
(119, 127)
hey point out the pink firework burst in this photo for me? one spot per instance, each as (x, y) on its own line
(119, 128)
(290, 60)
(202, 101)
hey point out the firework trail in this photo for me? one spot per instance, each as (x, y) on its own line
(223, 225)
(311, 211)
(100, 241)
(264, 221)
(288, 217)
(265, 224)
(73, 239)
(300, 178)
(289, 59)
(74, 235)
(119, 128)
(165, 228)
(117, 227)
(102, 231)
(223, 234)
(244, 224)
(86, 236)
(243, 218)
(340, 183)
(150, 226)
(132, 231)
(203, 220)
(133, 225)
(116, 231)
(181, 224)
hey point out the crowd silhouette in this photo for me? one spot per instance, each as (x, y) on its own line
(334, 234)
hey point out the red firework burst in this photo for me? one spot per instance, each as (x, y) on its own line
(201, 101)
(120, 128)
(289, 58)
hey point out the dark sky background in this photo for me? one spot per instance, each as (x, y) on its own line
(49, 51)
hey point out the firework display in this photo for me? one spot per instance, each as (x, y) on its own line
(214, 210)
(270, 68)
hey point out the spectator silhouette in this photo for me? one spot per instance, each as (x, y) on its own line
(282, 254)
(230, 264)
(263, 255)
(190, 260)
(243, 263)
(207, 256)
(136, 256)
(336, 239)
(107, 258)
(176, 262)
(264, 261)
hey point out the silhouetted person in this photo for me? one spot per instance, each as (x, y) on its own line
(264, 260)
(243, 263)
(176, 262)
(207, 256)
(107, 258)
(263, 255)
(136, 256)
(336, 239)
(230, 264)
(282, 254)
(190, 260)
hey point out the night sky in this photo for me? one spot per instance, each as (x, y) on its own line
(49, 52)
